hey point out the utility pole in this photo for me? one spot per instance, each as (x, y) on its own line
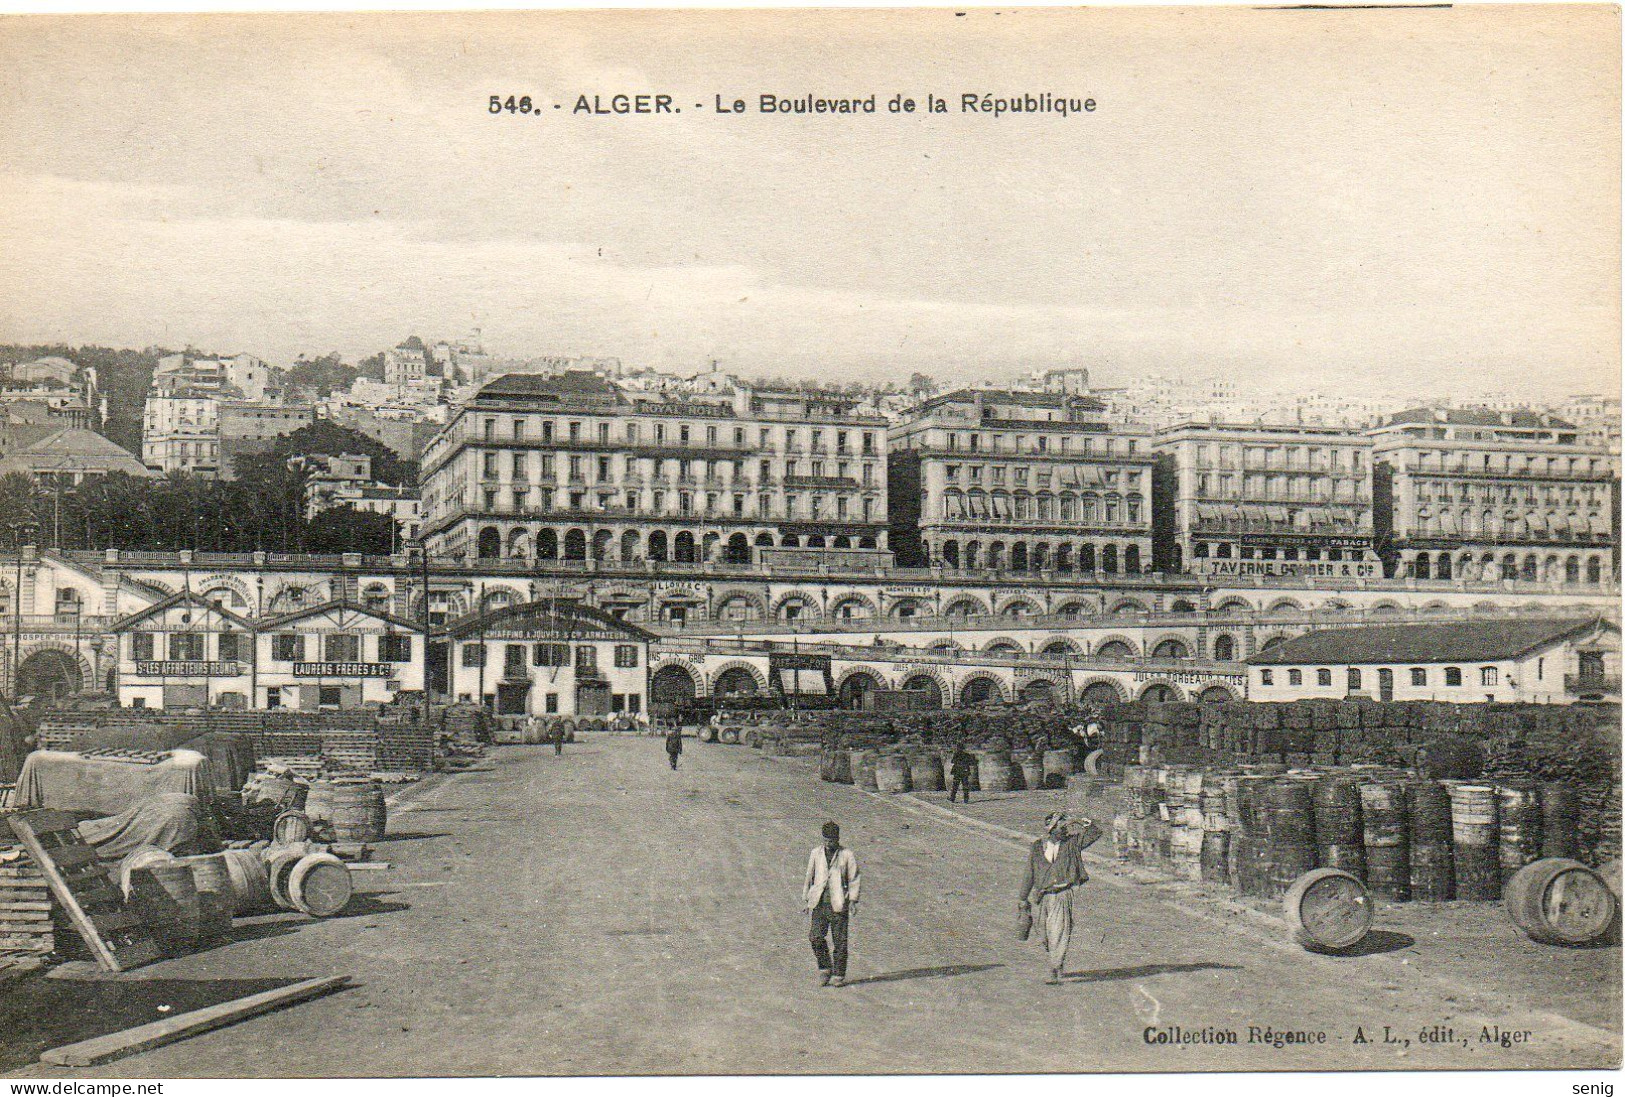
(19, 530)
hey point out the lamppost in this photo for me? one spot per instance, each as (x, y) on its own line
(420, 552)
(19, 532)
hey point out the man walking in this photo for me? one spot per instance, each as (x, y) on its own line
(960, 767)
(558, 737)
(674, 744)
(1054, 868)
(831, 896)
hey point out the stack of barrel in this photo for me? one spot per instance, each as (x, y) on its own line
(1405, 838)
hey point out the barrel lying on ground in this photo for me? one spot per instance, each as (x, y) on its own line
(1556, 901)
(1327, 910)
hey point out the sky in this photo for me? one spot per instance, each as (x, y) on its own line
(1341, 201)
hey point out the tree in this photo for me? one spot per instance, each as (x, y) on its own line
(321, 375)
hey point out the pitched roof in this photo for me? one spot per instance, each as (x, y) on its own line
(180, 597)
(71, 449)
(547, 616)
(1454, 642)
(341, 604)
(1479, 417)
(559, 388)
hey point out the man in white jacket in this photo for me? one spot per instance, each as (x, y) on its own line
(831, 896)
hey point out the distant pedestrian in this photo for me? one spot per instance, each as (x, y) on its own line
(960, 768)
(558, 737)
(674, 745)
(830, 895)
(1053, 870)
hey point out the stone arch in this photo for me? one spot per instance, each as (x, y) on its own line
(496, 596)
(53, 670)
(734, 676)
(672, 683)
(488, 546)
(853, 607)
(1335, 605)
(946, 644)
(909, 607)
(1004, 645)
(1044, 687)
(1436, 603)
(1387, 605)
(1101, 691)
(575, 544)
(740, 605)
(978, 689)
(1182, 605)
(1234, 605)
(239, 596)
(737, 550)
(930, 682)
(518, 543)
(293, 597)
(1116, 646)
(1159, 690)
(1060, 645)
(1225, 647)
(1274, 639)
(376, 595)
(796, 605)
(658, 546)
(1128, 605)
(630, 550)
(854, 682)
(547, 543)
(1284, 605)
(1171, 647)
(1019, 606)
(1216, 694)
(965, 605)
(1074, 608)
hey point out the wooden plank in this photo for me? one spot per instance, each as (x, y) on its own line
(104, 1049)
(10, 905)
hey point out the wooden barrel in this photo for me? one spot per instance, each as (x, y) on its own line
(1558, 820)
(1433, 854)
(1339, 826)
(319, 885)
(1518, 820)
(1215, 860)
(1386, 831)
(925, 771)
(891, 774)
(138, 858)
(1477, 841)
(1058, 766)
(290, 827)
(1609, 870)
(279, 867)
(863, 769)
(1327, 910)
(729, 735)
(994, 771)
(352, 809)
(1556, 901)
(165, 894)
(1290, 833)
(250, 884)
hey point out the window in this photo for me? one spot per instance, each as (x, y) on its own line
(1419, 676)
(552, 705)
(394, 648)
(513, 661)
(551, 655)
(1489, 676)
(1323, 677)
(626, 655)
(341, 647)
(288, 647)
(329, 696)
(228, 646)
(473, 655)
(1294, 677)
(186, 647)
(1266, 677)
(141, 646)
(586, 659)
(273, 697)
(634, 703)
(1354, 679)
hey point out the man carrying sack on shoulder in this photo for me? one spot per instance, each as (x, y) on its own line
(1054, 868)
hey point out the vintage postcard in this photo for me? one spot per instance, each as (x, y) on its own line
(810, 542)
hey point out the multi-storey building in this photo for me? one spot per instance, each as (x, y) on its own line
(983, 478)
(1266, 500)
(248, 429)
(194, 402)
(405, 365)
(572, 467)
(1478, 494)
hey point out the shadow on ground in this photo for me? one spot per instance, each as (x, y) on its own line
(1142, 971)
(922, 973)
(37, 1014)
(1377, 942)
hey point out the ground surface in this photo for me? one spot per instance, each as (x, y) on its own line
(598, 913)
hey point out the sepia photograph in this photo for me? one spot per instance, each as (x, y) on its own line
(827, 542)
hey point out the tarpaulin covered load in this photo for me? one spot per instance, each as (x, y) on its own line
(171, 821)
(68, 781)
